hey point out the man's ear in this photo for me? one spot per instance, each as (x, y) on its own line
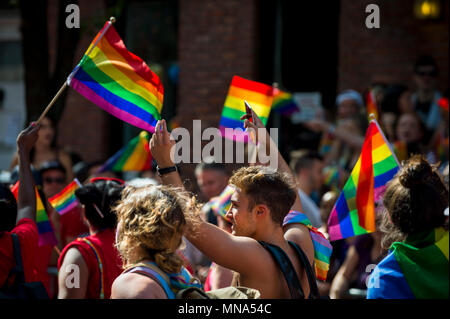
(262, 210)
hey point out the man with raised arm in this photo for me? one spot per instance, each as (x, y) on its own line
(24, 214)
(262, 198)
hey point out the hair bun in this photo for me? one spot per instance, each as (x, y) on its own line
(416, 172)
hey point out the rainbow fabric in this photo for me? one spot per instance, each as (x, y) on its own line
(66, 200)
(45, 228)
(258, 95)
(322, 247)
(331, 177)
(354, 211)
(118, 81)
(371, 105)
(416, 268)
(283, 102)
(221, 204)
(135, 156)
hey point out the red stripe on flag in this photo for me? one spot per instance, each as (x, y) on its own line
(252, 85)
(364, 190)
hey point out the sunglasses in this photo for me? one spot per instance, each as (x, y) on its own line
(427, 73)
(49, 180)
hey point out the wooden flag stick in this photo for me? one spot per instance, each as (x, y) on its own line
(52, 102)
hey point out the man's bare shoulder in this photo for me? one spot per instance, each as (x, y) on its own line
(136, 286)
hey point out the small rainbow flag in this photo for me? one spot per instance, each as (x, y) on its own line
(258, 95)
(118, 81)
(283, 102)
(135, 156)
(322, 247)
(222, 203)
(354, 211)
(45, 229)
(66, 200)
(371, 105)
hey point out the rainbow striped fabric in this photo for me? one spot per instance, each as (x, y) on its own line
(135, 156)
(221, 204)
(283, 102)
(371, 105)
(416, 268)
(66, 200)
(45, 228)
(322, 247)
(354, 211)
(258, 95)
(118, 81)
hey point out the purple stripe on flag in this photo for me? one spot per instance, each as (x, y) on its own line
(320, 240)
(68, 208)
(334, 229)
(108, 107)
(47, 239)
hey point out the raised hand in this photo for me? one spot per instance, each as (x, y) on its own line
(28, 137)
(162, 146)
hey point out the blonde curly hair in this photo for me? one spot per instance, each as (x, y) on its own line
(151, 223)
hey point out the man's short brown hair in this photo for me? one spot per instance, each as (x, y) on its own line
(266, 186)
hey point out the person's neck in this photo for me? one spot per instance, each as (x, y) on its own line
(304, 186)
(41, 148)
(272, 234)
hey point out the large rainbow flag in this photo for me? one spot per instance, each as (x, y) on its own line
(135, 156)
(415, 268)
(258, 95)
(283, 102)
(118, 81)
(322, 247)
(45, 228)
(65, 200)
(354, 211)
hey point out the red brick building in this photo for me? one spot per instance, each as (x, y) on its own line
(306, 46)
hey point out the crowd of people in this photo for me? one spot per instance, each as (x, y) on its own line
(151, 238)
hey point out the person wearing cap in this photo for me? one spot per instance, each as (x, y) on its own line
(94, 258)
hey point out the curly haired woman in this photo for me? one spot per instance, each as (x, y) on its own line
(151, 224)
(415, 225)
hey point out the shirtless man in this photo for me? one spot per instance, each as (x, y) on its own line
(263, 197)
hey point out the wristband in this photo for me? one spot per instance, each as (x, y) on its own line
(166, 170)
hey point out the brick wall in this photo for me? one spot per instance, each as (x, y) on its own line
(217, 39)
(388, 53)
(84, 127)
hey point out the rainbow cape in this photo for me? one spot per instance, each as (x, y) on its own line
(322, 247)
(354, 211)
(258, 95)
(118, 81)
(221, 204)
(65, 200)
(283, 102)
(135, 156)
(371, 105)
(416, 268)
(45, 228)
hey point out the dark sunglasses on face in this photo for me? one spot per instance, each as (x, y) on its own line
(50, 180)
(432, 73)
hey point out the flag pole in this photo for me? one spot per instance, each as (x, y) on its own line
(373, 119)
(66, 83)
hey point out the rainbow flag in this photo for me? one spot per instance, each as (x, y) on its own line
(322, 247)
(258, 95)
(66, 200)
(45, 228)
(415, 268)
(118, 81)
(354, 211)
(221, 204)
(371, 105)
(135, 156)
(283, 102)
